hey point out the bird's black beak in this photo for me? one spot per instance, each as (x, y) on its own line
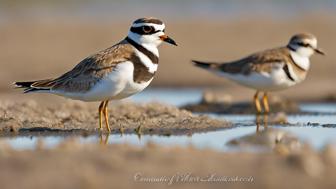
(167, 39)
(319, 51)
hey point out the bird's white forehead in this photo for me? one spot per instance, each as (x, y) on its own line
(308, 40)
(311, 41)
(156, 26)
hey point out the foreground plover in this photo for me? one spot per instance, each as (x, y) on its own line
(270, 70)
(111, 74)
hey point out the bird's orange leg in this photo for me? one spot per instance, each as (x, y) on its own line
(106, 117)
(257, 102)
(100, 112)
(265, 103)
(258, 122)
(265, 121)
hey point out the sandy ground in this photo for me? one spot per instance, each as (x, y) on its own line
(221, 102)
(36, 49)
(76, 165)
(80, 117)
(73, 165)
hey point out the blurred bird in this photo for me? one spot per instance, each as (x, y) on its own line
(111, 74)
(269, 70)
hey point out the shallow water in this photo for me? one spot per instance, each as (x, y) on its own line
(300, 120)
(306, 130)
(217, 140)
(176, 97)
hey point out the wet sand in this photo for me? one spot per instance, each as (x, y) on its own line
(221, 102)
(74, 165)
(30, 117)
(77, 165)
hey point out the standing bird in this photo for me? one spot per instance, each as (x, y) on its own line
(111, 74)
(270, 70)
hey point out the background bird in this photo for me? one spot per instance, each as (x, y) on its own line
(269, 70)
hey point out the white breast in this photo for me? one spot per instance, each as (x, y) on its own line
(302, 61)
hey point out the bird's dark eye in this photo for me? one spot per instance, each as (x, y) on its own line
(164, 30)
(303, 44)
(147, 29)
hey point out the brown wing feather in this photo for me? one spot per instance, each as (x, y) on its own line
(90, 70)
(262, 61)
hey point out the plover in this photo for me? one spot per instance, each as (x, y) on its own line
(270, 70)
(111, 74)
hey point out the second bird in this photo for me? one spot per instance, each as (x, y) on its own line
(270, 70)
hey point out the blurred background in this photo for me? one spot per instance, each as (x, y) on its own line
(44, 38)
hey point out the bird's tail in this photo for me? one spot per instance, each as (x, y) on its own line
(205, 65)
(34, 86)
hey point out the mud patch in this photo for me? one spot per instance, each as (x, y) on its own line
(222, 103)
(74, 165)
(79, 117)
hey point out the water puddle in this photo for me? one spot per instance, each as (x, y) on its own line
(302, 120)
(167, 96)
(217, 140)
(328, 108)
(308, 128)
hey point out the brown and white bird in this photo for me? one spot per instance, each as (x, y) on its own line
(111, 74)
(270, 70)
